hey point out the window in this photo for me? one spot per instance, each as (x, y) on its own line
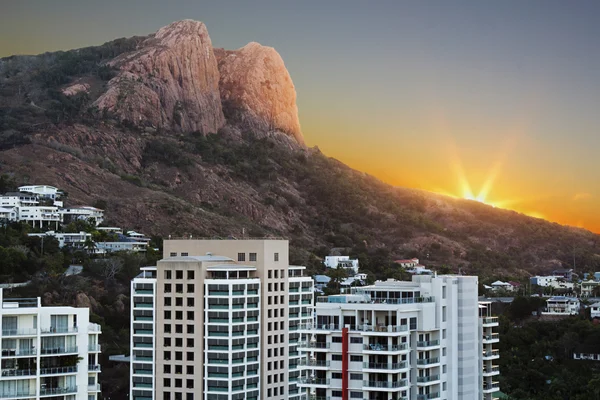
(178, 383)
(282, 274)
(167, 382)
(190, 329)
(336, 339)
(167, 355)
(178, 369)
(444, 352)
(167, 342)
(179, 288)
(168, 273)
(276, 257)
(190, 288)
(189, 383)
(241, 256)
(166, 396)
(190, 356)
(444, 386)
(179, 274)
(443, 292)
(178, 355)
(270, 273)
(167, 328)
(413, 323)
(178, 328)
(167, 314)
(356, 358)
(336, 357)
(184, 254)
(179, 301)
(172, 254)
(178, 314)
(443, 369)
(443, 313)
(356, 340)
(356, 377)
(443, 334)
(190, 315)
(167, 288)
(167, 369)
(336, 393)
(276, 284)
(336, 375)
(178, 342)
(189, 369)
(190, 302)
(190, 342)
(270, 287)
(252, 256)
(269, 353)
(190, 274)
(356, 395)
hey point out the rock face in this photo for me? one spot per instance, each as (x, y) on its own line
(257, 91)
(170, 81)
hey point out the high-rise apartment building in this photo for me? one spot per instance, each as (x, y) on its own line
(423, 339)
(220, 320)
(47, 352)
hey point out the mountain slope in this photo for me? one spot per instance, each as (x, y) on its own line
(168, 173)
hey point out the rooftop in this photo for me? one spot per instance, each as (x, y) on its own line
(208, 258)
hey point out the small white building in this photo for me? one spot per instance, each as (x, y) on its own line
(45, 191)
(76, 240)
(48, 352)
(140, 237)
(595, 310)
(561, 305)
(419, 270)
(109, 247)
(341, 262)
(8, 213)
(409, 263)
(544, 281)
(587, 287)
(499, 285)
(84, 213)
(40, 215)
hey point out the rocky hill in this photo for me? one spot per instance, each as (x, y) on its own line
(178, 138)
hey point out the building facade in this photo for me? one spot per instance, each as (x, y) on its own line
(393, 340)
(226, 322)
(48, 352)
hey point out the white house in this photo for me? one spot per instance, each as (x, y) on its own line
(341, 262)
(561, 305)
(108, 247)
(587, 287)
(595, 310)
(82, 213)
(410, 263)
(140, 237)
(498, 285)
(76, 240)
(40, 215)
(45, 191)
(419, 270)
(543, 280)
(8, 213)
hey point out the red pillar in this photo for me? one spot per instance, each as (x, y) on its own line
(345, 363)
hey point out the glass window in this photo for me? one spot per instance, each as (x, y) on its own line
(276, 256)
(252, 256)
(241, 256)
(179, 274)
(190, 274)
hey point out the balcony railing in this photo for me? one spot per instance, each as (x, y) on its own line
(17, 394)
(58, 370)
(313, 381)
(55, 329)
(490, 320)
(315, 345)
(434, 395)
(59, 350)
(493, 369)
(57, 390)
(428, 378)
(359, 328)
(19, 332)
(97, 347)
(427, 361)
(314, 363)
(385, 384)
(386, 366)
(18, 372)
(94, 388)
(491, 353)
(385, 347)
(18, 352)
(428, 343)
(491, 386)
(493, 336)
(94, 367)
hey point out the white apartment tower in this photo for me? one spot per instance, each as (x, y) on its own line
(394, 340)
(226, 317)
(47, 352)
(143, 318)
(490, 355)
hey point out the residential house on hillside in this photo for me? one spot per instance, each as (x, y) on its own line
(84, 213)
(499, 285)
(43, 191)
(595, 310)
(321, 282)
(588, 287)
(341, 262)
(586, 352)
(567, 273)
(561, 305)
(74, 240)
(409, 263)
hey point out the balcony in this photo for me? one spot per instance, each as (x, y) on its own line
(19, 352)
(58, 370)
(59, 350)
(314, 345)
(18, 372)
(19, 332)
(314, 363)
(17, 394)
(384, 348)
(384, 366)
(491, 354)
(493, 370)
(491, 387)
(313, 382)
(427, 362)
(427, 343)
(59, 330)
(57, 390)
(94, 368)
(427, 380)
(94, 388)
(490, 321)
(94, 348)
(492, 338)
(434, 395)
(384, 385)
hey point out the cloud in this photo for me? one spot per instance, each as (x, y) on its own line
(582, 196)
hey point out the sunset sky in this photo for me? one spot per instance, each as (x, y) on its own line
(502, 97)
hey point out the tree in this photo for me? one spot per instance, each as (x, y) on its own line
(111, 267)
